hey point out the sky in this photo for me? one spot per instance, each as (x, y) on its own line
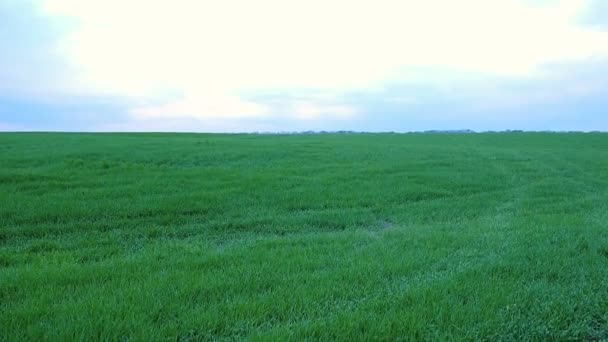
(281, 65)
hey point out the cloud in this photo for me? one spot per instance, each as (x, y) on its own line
(228, 107)
(140, 47)
(595, 15)
(69, 114)
(232, 108)
(570, 97)
(30, 65)
(240, 65)
(313, 111)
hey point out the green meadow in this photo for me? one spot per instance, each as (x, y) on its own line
(497, 236)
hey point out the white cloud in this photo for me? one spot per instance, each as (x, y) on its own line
(208, 107)
(571, 85)
(186, 125)
(304, 110)
(233, 108)
(214, 50)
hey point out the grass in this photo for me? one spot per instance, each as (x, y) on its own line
(374, 236)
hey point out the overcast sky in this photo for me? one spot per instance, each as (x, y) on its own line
(280, 65)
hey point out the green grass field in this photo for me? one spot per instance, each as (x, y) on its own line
(349, 237)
